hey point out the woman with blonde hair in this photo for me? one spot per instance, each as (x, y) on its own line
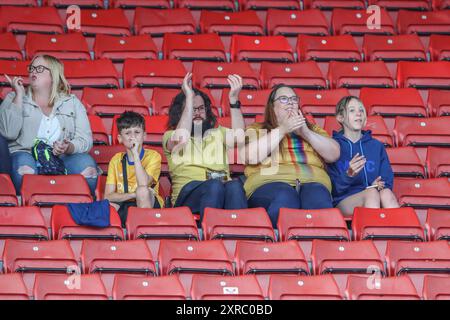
(46, 112)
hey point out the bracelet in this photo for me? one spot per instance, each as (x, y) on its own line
(236, 105)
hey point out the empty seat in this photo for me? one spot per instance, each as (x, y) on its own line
(91, 73)
(132, 4)
(7, 192)
(153, 73)
(321, 103)
(438, 224)
(30, 3)
(394, 48)
(332, 4)
(261, 48)
(417, 259)
(267, 4)
(128, 287)
(405, 162)
(393, 102)
(80, 3)
(104, 21)
(99, 133)
(439, 47)
(391, 288)
(252, 102)
(157, 22)
(356, 75)
(306, 225)
(14, 69)
(375, 124)
(120, 48)
(422, 132)
(306, 75)
(154, 225)
(440, 4)
(291, 23)
(424, 75)
(290, 287)
(155, 127)
(438, 162)
(103, 154)
(207, 47)
(9, 48)
(31, 19)
(327, 48)
(423, 23)
(439, 103)
(232, 225)
(12, 287)
(62, 287)
(358, 22)
(213, 75)
(227, 23)
(222, 5)
(436, 288)
(420, 5)
(209, 287)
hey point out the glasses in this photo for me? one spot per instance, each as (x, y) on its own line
(199, 109)
(286, 100)
(38, 69)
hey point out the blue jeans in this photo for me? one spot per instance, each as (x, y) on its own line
(74, 163)
(5, 158)
(275, 195)
(199, 195)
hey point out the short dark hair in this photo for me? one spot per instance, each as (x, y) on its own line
(130, 119)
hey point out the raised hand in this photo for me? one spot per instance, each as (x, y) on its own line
(17, 85)
(235, 82)
(356, 165)
(187, 85)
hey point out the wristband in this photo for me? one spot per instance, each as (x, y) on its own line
(236, 105)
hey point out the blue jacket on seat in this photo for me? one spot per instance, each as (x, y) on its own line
(95, 214)
(377, 164)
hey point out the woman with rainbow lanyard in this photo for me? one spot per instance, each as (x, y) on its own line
(285, 158)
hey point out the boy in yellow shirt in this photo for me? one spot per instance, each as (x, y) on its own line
(137, 185)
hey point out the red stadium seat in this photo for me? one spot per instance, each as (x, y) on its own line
(228, 23)
(391, 288)
(356, 75)
(424, 75)
(9, 47)
(438, 162)
(380, 225)
(417, 259)
(441, 4)
(222, 5)
(423, 23)
(439, 47)
(306, 75)
(28, 3)
(154, 225)
(267, 4)
(71, 46)
(393, 48)
(344, 258)
(420, 5)
(155, 127)
(104, 21)
(13, 69)
(422, 132)
(99, 134)
(291, 23)
(261, 48)
(374, 123)
(100, 188)
(439, 103)
(321, 103)
(132, 4)
(7, 193)
(162, 99)
(148, 288)
(207, 47)
(438, 224)
(436, 288)
(332, 4)
(307, 225)
(393, 102)
(355, 22)
(327, 48)
(233, 225)
(158, 22)
(120, 48)
(290, 287)
(103, 154)
(12, 287)
(252, 102)
(30, 19)
(405, 162)
(61, 287)
(208, 287)
(80, 3)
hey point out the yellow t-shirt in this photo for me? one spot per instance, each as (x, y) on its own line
(192, 162)
(297, 160)
(151, 161)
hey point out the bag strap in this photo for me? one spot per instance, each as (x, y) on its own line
(124, 173)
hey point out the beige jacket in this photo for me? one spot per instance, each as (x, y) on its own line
(20, 124)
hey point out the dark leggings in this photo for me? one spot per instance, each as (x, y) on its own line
(5, 159)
